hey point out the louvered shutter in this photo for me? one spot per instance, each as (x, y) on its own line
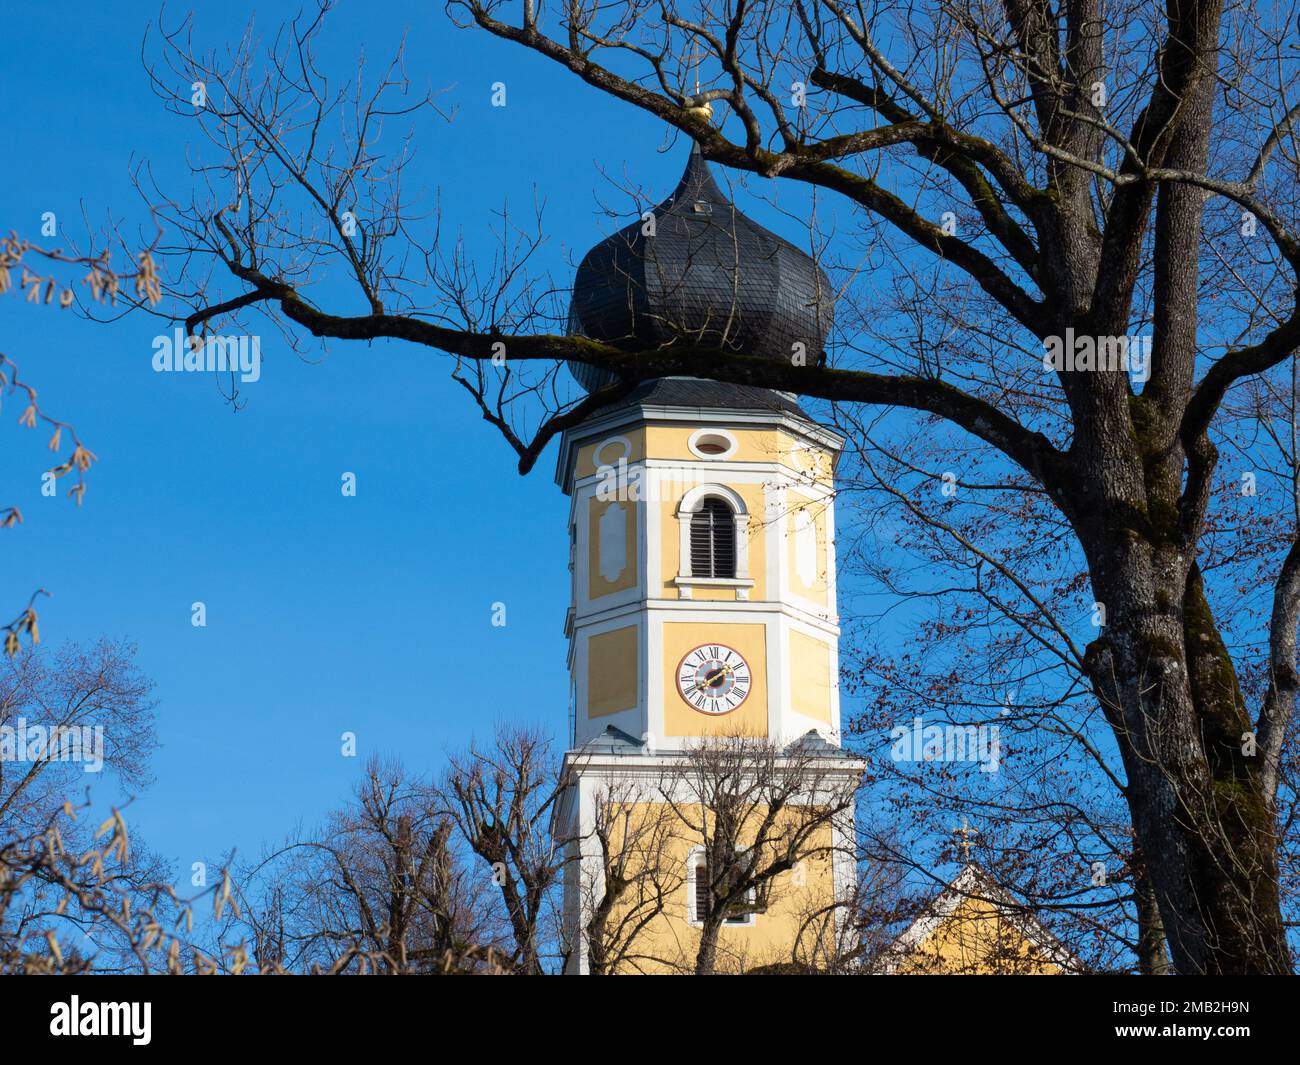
(700, 901)
(713, 540)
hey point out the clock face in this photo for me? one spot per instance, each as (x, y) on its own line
(714, 678)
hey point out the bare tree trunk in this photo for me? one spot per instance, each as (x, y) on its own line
(706, 958)
(1169, 686)
(1153, 958)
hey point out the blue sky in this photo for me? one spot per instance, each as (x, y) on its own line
(324, 613)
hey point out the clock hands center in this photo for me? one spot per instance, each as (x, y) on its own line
(713, 679)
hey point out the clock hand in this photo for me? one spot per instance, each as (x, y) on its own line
(711, 681)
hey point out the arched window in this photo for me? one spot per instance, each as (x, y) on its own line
(713, 539)
(713, 544)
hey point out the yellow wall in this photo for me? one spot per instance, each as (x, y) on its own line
(670, 442)
(669, 943)
(810, 672)
(752, 445)
(682, 719)
(585, 463)
(611, 672)
(715, 595)
(813, 462)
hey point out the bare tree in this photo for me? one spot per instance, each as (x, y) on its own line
(96, 907)
(75, 897)
(94, 713)
(378, 889)
(631, 887)
(501, 798)
(1031, 176)
(760, 816)
(36, 272)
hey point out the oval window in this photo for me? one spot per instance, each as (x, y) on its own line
(711, 443)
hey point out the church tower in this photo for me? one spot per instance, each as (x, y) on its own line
(702, 535)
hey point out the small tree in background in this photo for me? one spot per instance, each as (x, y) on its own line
(379, 888)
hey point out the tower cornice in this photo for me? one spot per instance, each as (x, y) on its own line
(608, 422)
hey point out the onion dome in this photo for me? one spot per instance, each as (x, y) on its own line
(696, 271)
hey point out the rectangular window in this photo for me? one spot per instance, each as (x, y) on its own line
(700, 894)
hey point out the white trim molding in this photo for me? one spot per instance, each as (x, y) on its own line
(687, 508)
(597, 454)
(686, 584)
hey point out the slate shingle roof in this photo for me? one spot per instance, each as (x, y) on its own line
(694, 392)
(708, 276)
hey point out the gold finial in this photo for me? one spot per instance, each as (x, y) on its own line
(965, 832)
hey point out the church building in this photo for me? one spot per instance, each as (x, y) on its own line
(702, 551)
(975, 928)
(707, 791)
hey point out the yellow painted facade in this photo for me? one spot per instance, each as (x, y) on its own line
(786, 931)
(630, 632)
(977, 939)
(811, 670)
(670, 560)
(975, 928)
(672, 444)
(778, 482)
(810, 681)
(612, 671)
(587, 461)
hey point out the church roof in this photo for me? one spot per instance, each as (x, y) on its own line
(613, 741)
(813, 742)
(697, 393)
(974, 883)
(697, 271)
